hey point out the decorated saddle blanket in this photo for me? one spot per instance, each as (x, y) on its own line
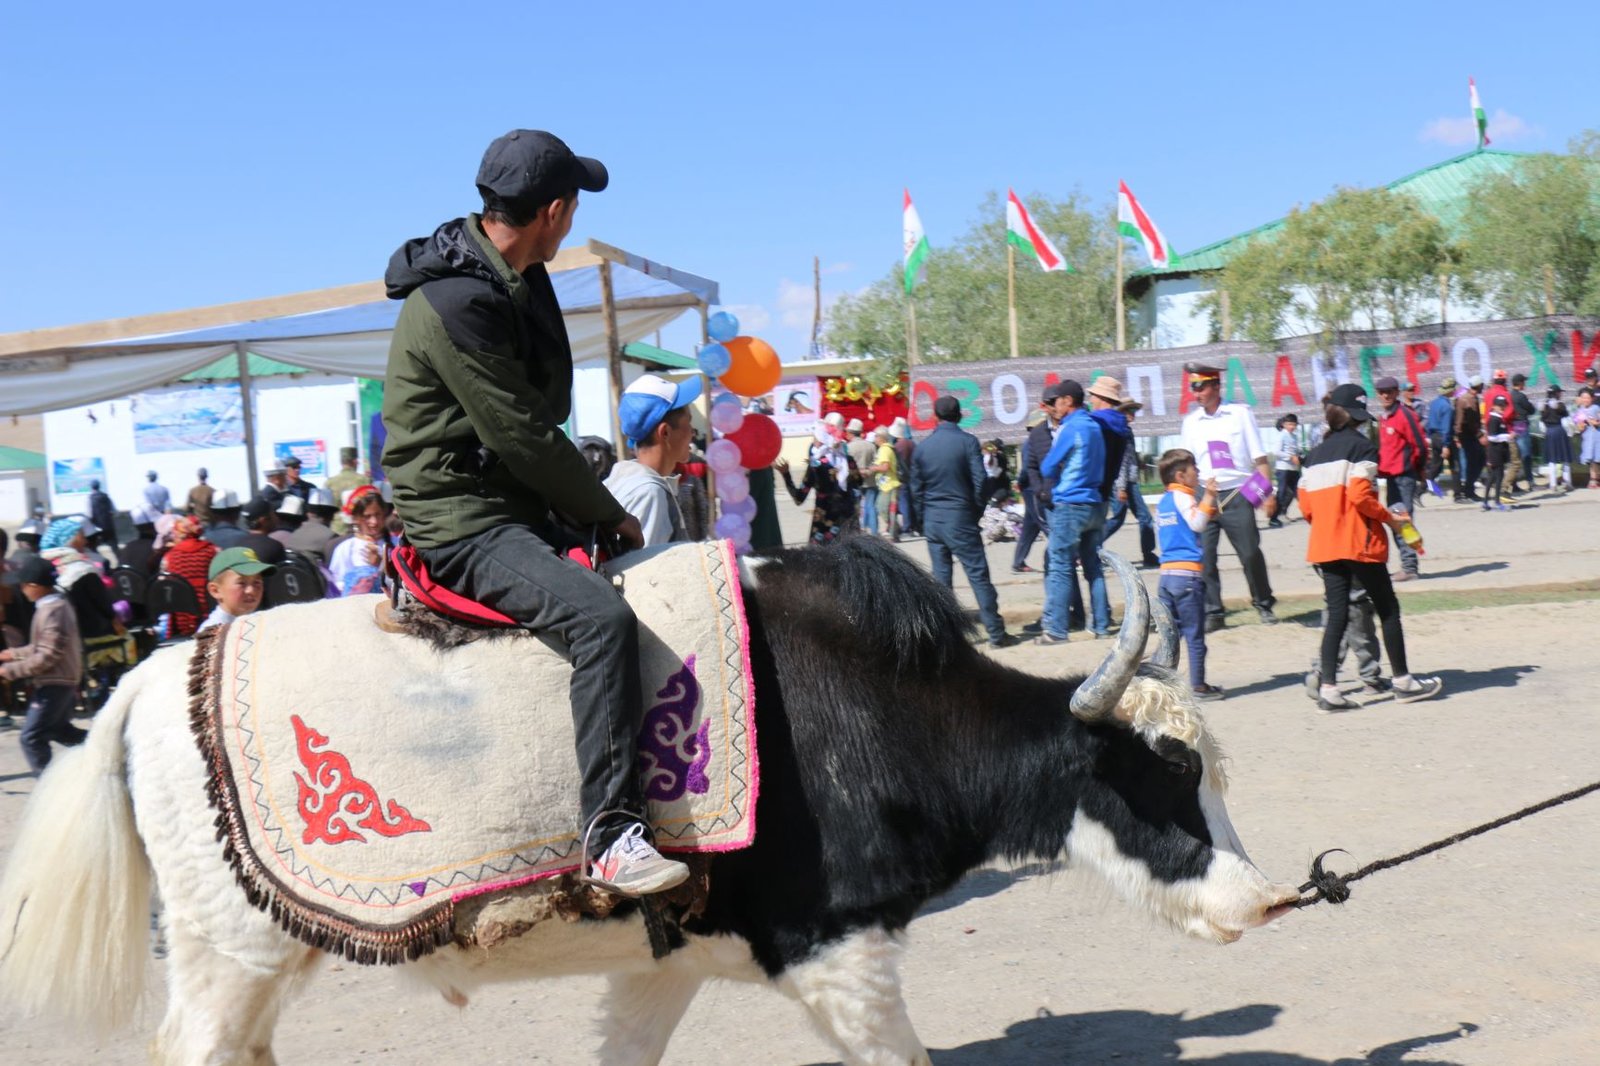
(366, 782)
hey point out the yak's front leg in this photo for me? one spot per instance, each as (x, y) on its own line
(852, 989)
(642, 1010)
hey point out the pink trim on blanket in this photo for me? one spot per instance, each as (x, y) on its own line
(730, 561)
(515, 882)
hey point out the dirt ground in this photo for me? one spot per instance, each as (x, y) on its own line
(1485, 953)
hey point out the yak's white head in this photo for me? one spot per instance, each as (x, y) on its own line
(1153, 823)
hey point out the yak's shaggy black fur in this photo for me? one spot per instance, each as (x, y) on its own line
(895, 757)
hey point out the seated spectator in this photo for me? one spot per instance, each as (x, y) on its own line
(236, 579)
(357, 561)
(140, 552)
(189, 558)
(224, 530)
(259, 522)
(290, 515)
(314, 539)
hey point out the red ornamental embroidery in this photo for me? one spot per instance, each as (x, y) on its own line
(334, 796)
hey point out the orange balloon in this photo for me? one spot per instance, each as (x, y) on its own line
(755, 368)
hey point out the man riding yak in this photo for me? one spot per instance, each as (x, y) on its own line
(479, 383)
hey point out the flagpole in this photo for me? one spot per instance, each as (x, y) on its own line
(911, 334)
(1122, 332)
(1011, 293)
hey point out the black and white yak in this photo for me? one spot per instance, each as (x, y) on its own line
(895, 757)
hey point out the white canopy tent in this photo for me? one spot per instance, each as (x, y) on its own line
(608, 297)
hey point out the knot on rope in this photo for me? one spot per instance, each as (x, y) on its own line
(1328, 886)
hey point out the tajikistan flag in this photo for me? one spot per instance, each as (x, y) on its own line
(1021, 232)
(916, 245)
(1478, 116)
(1133, 222)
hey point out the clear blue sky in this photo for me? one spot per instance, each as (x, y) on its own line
(175, 155)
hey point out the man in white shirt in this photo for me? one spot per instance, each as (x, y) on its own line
(654, 414)
(1227, 447)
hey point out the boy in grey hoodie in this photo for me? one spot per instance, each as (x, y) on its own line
(654, 414)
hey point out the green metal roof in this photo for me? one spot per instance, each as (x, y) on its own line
(20, 459)
(227, 369)
(649, 353)
(1441, 189)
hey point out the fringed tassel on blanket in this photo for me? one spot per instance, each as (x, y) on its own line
(326, 932)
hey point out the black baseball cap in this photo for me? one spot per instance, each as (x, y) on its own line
(1068, 387)
(530, 168)
(1352, 398)
(36, 570)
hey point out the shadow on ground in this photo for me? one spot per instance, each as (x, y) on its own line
(1267, 684)
(1458, 681)
(1132, 1036)
(1471, 568)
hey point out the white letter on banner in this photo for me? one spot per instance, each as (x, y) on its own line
(1137, 376)
(1009, 414)
(1458, 356)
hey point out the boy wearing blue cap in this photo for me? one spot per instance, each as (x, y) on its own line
(654, 414)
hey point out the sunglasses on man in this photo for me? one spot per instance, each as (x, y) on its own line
(1201, 384)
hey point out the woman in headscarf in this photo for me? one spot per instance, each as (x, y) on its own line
(66, 544)
(189, 558)
(832, 478)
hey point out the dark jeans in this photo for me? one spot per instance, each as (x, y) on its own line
(514, 571)
(1404, 490)
(1141, 513)
(1185, 596)
(1288, 483)
(1470, 464)
(1075, 541)
(1031, 528)
(1499, 456)
(1360, 636)
(49, 718)
(1438, 443)
(1523, 439)
(1238, 519)
(1337, 580)
(957, 535)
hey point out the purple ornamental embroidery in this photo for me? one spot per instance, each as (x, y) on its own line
(672, 754)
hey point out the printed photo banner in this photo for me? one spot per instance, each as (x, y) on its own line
(998, 395)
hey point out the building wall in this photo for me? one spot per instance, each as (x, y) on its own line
(314, 407)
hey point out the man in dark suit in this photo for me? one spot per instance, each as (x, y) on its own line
(947, 486)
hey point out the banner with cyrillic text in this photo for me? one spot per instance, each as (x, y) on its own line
(998, 395)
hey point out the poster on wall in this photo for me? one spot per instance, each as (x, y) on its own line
(794, 404)
(71, 477)
(313, 456)
(210, 416)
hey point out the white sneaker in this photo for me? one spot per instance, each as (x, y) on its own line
(632, 867)
(1421, 688)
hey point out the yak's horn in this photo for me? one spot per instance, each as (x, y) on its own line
(1102, 689)
(1166, 655)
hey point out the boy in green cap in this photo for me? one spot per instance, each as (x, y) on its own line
(237, 580)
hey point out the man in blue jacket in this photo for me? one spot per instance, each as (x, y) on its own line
(1439, 425)
(947, 487)
(1077, 461)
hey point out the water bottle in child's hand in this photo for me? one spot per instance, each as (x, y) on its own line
(1408, 531)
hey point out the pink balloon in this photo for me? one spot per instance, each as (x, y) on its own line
(722, 456)
(726, 417)
(733, 487)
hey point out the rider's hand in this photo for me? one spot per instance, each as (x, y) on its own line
(629, 533)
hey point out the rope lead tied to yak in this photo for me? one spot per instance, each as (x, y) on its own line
(1335, 888)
